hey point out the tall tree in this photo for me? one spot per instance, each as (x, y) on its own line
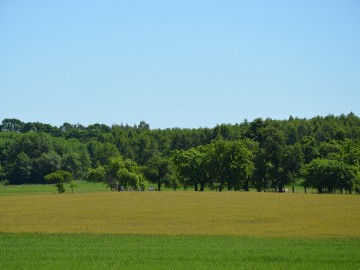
(292, 163)
(189, 168)
(157, 170)
(59, 178)
(231, 163)
(123, 173)
(21, 169)
(272, 162)
(326, 175)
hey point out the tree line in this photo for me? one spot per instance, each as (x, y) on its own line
(322, 153)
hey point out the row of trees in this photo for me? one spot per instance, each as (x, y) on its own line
(269, 164)
(139, 142)
(321, 153)
(28, 157)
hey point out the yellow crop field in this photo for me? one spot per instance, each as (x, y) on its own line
(184, 213)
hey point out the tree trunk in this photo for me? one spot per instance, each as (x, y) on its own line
(202, 186)
(159, 186)
(258, 187)
(246, 185)
(196, 187)
(293, 189)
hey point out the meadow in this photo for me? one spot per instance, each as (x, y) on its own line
(81, 187)
(93, 251)
(177, 230)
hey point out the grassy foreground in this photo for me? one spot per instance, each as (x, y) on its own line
(85, 251)
(179, 230)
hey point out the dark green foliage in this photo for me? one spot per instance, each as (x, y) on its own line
(191, 167)
(158, 171)
(21, 169)
(47, 163)
(327, 175)
(28, 157)
(262, 154)
(104, 151)
(218, 164)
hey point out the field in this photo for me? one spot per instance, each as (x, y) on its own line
(91, 251)
(177, 230)
(82, 187)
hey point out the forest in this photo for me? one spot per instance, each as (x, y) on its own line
(321, 153)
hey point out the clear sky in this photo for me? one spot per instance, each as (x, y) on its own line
(178, 63)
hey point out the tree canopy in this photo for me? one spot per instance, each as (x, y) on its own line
(322, 153)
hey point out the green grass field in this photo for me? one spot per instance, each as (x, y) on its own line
(82, 187)
(86, 251)
(177, 230)
(85, 187)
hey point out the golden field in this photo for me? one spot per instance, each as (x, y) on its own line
(184, 213)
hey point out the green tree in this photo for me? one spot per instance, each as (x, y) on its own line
(254, 130)
(21, 169)
(12, 125)
(349, 154)
(122, 174)
(270, 158)
(97, 175)
(230, 163)
(173, 182)
(292, 162)
(2, 173)
(104, 151)
(277, 164)
(47, 163)
(218, 164)
(310, 148)
(71, 162)
(261, 176)
(34, 144)
(327, 175)
(157, 170)
(3, 181)
(59, 178)
(73, 185)
(189, 168)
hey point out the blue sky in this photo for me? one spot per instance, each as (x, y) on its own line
(178, 63)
